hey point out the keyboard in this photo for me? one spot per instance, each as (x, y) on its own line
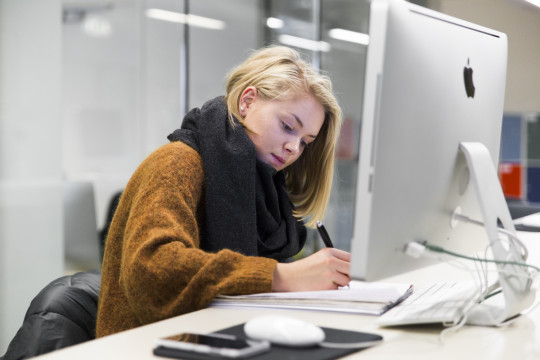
(434, 303)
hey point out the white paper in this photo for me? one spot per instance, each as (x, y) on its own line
(360, 298)
(358, 291)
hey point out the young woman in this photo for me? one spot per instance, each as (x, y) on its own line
(221, 208)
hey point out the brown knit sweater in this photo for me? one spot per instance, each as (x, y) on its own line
(153, 268)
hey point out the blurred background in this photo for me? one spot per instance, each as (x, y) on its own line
(89, 88)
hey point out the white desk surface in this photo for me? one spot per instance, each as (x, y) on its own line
(521, 340)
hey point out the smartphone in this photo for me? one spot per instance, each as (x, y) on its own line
(214, 344)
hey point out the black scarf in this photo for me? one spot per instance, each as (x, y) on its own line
(247, 208)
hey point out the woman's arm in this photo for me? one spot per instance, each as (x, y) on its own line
(164, 272)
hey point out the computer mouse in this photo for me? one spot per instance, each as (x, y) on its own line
(283, 330)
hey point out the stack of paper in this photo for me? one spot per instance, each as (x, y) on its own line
(360, 298)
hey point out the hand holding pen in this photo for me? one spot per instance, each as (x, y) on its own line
(325, 237)
(327, 269)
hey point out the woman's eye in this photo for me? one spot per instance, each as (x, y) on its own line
(286, 126)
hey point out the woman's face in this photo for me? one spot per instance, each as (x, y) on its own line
(280, 130)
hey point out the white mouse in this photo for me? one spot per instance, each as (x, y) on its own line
(283, 330)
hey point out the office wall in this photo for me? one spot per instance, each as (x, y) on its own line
(109, 72)
(214, 53)
(521, 23)
(31, 252)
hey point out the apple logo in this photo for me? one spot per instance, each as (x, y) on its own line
(468, 77)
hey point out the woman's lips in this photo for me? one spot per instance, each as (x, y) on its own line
(278, 159)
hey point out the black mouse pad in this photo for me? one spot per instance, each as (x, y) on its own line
(283, 352)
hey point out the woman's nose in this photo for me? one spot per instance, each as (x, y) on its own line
(293, 145)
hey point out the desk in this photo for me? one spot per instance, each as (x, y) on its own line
(520, 341)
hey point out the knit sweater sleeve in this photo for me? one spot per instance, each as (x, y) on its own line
(163, 271)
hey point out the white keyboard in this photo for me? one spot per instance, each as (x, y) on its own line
(435, 303)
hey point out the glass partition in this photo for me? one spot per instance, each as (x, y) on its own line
(344, 27)
(133, 68)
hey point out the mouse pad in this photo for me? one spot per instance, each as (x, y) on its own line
(283, 352)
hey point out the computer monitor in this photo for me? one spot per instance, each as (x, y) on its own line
(416, 112)
(433, 82)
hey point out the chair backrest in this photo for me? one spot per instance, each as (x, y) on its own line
(111, 209)
(62, 314)
(81, 235)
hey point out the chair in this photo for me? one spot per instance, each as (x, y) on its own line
(81, 238)
(62, 314)
(113, 204)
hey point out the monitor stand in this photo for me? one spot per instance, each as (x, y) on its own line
(514, 280)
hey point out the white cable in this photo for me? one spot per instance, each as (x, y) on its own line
(482, 273)
(511, 235)
(482, 277)
(417, 249)
(454, 328)
(499, 324)
(439, 249)
(481, 267)
(516, 239)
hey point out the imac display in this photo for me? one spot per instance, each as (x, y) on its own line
(434, 84)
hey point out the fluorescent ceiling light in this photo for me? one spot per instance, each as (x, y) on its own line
(534, 2)
(190, 19)
(351, 36)
(274, 23)
(96, 26)
(304, 43)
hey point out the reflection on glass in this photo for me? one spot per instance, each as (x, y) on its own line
(332, 34)
(345, 27)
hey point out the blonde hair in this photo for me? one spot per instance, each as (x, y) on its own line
(279, 73)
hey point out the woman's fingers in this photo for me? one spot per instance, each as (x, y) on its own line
(327, 269)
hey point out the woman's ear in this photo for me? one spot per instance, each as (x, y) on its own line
(249, 95)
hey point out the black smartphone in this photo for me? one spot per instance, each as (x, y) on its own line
(214, 344)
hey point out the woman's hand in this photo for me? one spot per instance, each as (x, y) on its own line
(325, 270)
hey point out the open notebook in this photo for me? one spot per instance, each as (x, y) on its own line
(370, 298)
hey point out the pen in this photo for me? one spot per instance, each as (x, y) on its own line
(324, 235)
